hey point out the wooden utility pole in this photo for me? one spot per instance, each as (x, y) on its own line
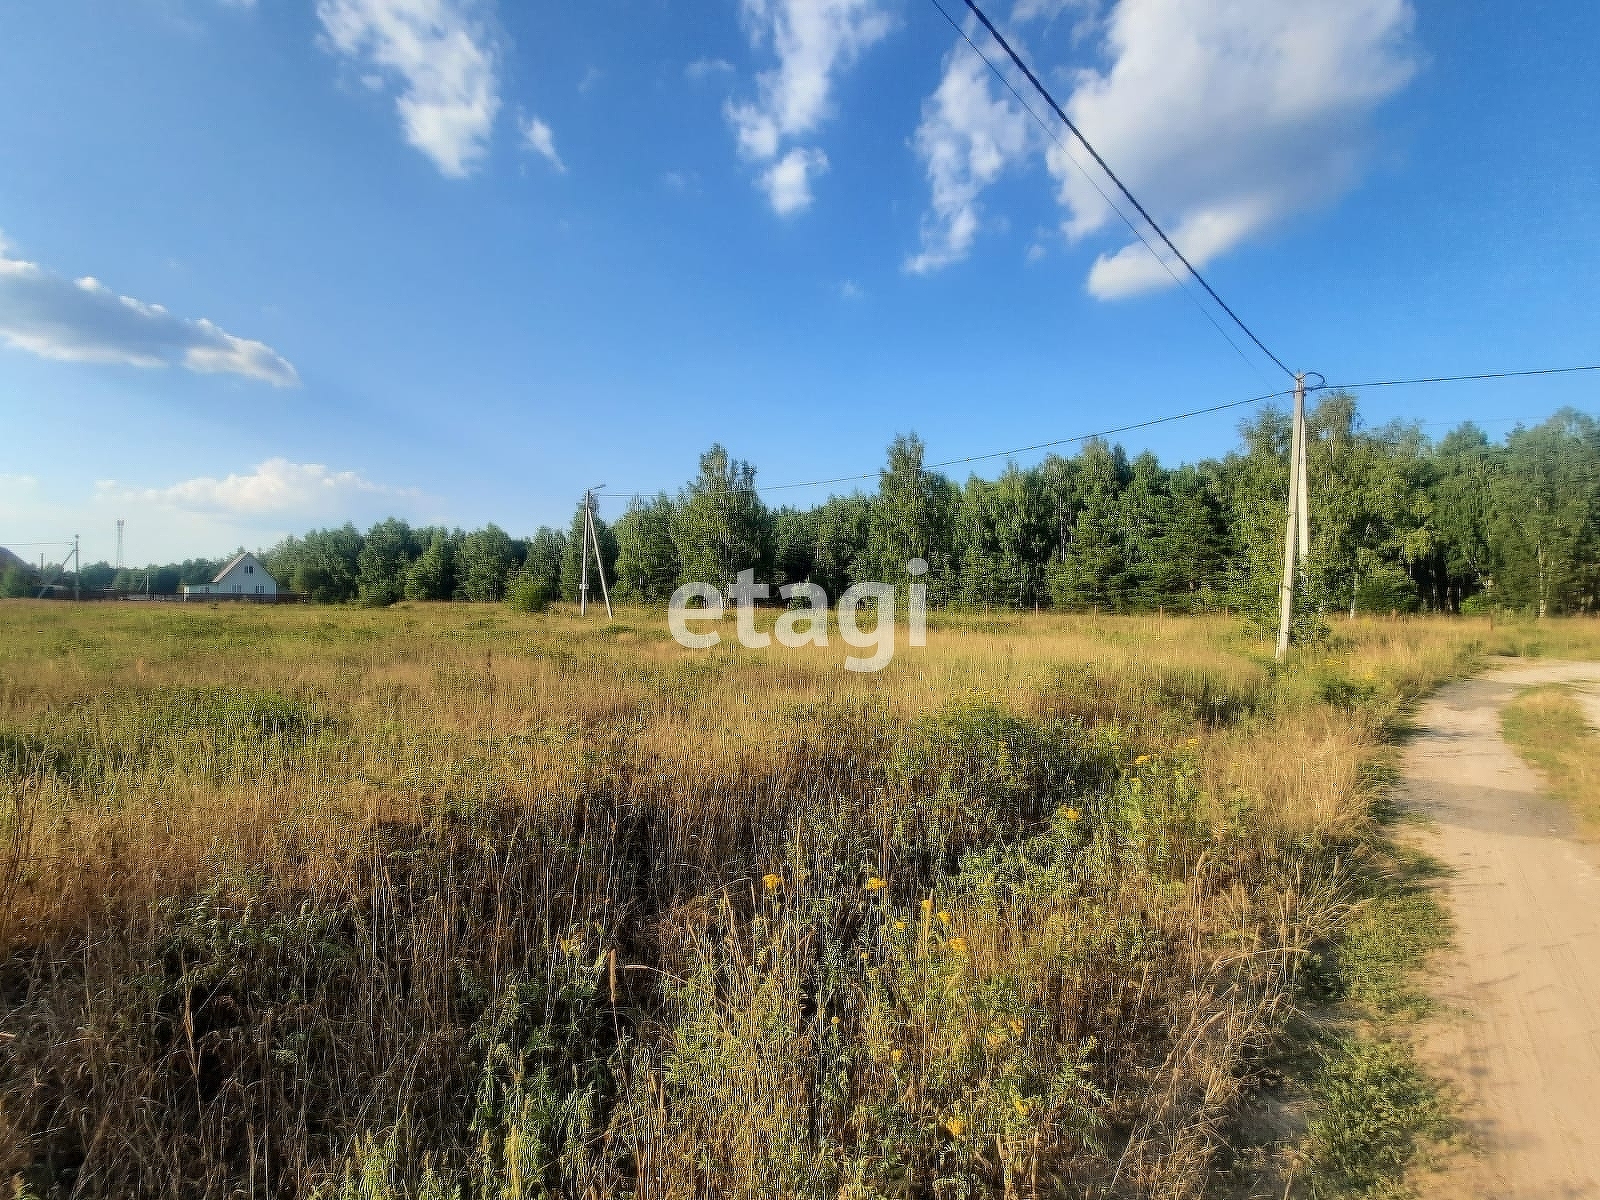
(583, 579)
(590, 537)
(1296, 536)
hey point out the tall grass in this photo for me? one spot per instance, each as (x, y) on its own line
(455, 901)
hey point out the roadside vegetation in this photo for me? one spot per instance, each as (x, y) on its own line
(458, 901)
(1549, 727)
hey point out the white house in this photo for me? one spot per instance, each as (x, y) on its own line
(243, 578)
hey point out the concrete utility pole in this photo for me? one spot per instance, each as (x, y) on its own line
(591, 537)
(1296, 536)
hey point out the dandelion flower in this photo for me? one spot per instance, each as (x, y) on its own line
(956, 1126)
(1194, 741)
(900, 926)
(1141, 760)
(944, 917)
(1020, 1105)
(874, 884)
(1071, 814)
(895, 1056)
(958, 944)
(771, 882)
(1016, 1026)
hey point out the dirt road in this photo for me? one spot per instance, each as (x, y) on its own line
(1520, 1034)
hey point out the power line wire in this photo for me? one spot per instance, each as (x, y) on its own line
(1153, 421)
(1122, 187)
(1093, 182)
(1459, 378)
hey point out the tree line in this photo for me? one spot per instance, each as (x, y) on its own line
(1398, 522)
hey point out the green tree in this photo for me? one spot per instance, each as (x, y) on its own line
(432, 575)
(1545, 502)
(16, 581)
(546, 549)
(1094, 570)
(647, 558)
(838, 556)
(720, 527)
(485, 561)
(1002, 537)
(321, 566)
(387, 552)
(912, 516)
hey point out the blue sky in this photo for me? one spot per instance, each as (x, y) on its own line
(277, 264)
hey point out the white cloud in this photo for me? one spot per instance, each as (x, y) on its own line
(85, 321)
(705, 68)
(443, 60)
(1048, 10)
(815, 40)
(275, 487)
(537, 136)
(1229, 117)
(787, 182)
(968, 136)
(851, 290)
(1224, 118)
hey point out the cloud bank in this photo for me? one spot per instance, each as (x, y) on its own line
(275, 487)
(440, 56)
(1224, 118)
(85, 321)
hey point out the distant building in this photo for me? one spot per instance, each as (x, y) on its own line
(244, 578)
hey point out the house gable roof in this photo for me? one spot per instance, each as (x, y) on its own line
(237, 559)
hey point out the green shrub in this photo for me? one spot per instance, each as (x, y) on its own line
(529, 595)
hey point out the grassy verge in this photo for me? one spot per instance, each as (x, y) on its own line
(1375, 1113)
(1549, 728)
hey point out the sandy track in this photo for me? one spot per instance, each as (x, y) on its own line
(1521, 992)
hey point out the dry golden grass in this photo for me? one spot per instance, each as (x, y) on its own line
(448, 896)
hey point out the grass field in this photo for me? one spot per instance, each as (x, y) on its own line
(445, 900)
(1548, 727)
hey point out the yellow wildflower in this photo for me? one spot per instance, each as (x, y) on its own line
(874, 884)
(771, 882)
(900, 926)
(958, 944)
(1020, 1105)
(895, 1056)
(1016, 1026)
(944, 917)
(1071, 814)
(927, 905)
(1194, 741)
(1141, 760)
(956, 1126)
(996, 1039)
